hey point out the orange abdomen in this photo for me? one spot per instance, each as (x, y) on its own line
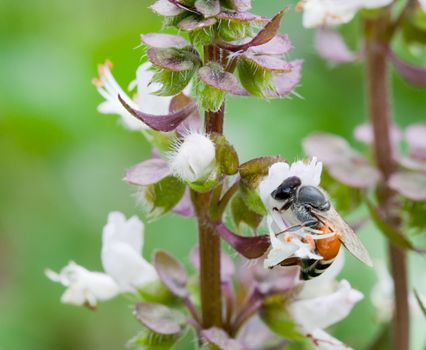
(328, 248)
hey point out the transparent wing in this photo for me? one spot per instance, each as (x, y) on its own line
(348, 237)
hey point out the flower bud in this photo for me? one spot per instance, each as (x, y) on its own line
(193, 158)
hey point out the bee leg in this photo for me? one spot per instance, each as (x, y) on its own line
(306, 266)
(298, 227)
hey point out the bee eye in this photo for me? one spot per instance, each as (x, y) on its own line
(314, 197)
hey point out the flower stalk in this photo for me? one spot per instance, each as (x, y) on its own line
(209, 240)
(379, 109)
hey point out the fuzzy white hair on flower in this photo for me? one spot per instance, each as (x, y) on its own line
(193, 157)
(83, 286)
(122, 242)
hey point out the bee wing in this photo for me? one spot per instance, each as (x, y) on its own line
(348, 237)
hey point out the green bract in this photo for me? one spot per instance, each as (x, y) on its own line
(256, 81)
(163, 196)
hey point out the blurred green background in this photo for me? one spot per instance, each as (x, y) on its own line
(61, 162)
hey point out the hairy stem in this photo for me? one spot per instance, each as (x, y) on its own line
(209, 240)
(379, 109)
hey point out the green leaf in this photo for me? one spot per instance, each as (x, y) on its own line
(305, 344)
(251, 173)
(211, 98)
(241, 213)
(163, 196)
(156, 292)
(203, 185)
(149, 340)
(390, 232)
(254, 170)
(252, 199)
(419, 18)
(226, 156)
(279, 321)
(383, 339)
(160, 140)
(420, 302)
(256, 80)
(173, 21)
(235, 30)
(414, 215)
(412, 32)
(171, 82)
(202, 37)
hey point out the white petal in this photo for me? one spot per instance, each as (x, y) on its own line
(110, 89)
(147, 102)
(276, 175)
(325, 284)
(279, 251)
(118, 229)
(328, 12)
(84, 286)
(372, 4)
(423, 5)
(278, 255)
(382, 294)
(308, 172)
(309, 313)
(324, 341)
(127, 267)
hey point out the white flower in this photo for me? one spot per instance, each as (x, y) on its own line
(84, 286)
(382, 293)
(317, 13)
(313, 313)
(193, 158)
(122, 243)
(126, 270)
(285, 246)
(144, 100)
(308, 172)
(324, 341)
(423, 5)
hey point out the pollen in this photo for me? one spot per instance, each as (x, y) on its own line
(299, 6)
(309, 239)
(97, 82)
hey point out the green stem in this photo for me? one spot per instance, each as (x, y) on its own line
(379, 109)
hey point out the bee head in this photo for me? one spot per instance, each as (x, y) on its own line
(287, 189)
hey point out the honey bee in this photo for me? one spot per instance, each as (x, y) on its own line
(309, 208)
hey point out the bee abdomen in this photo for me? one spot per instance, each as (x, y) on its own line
(314, 268)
